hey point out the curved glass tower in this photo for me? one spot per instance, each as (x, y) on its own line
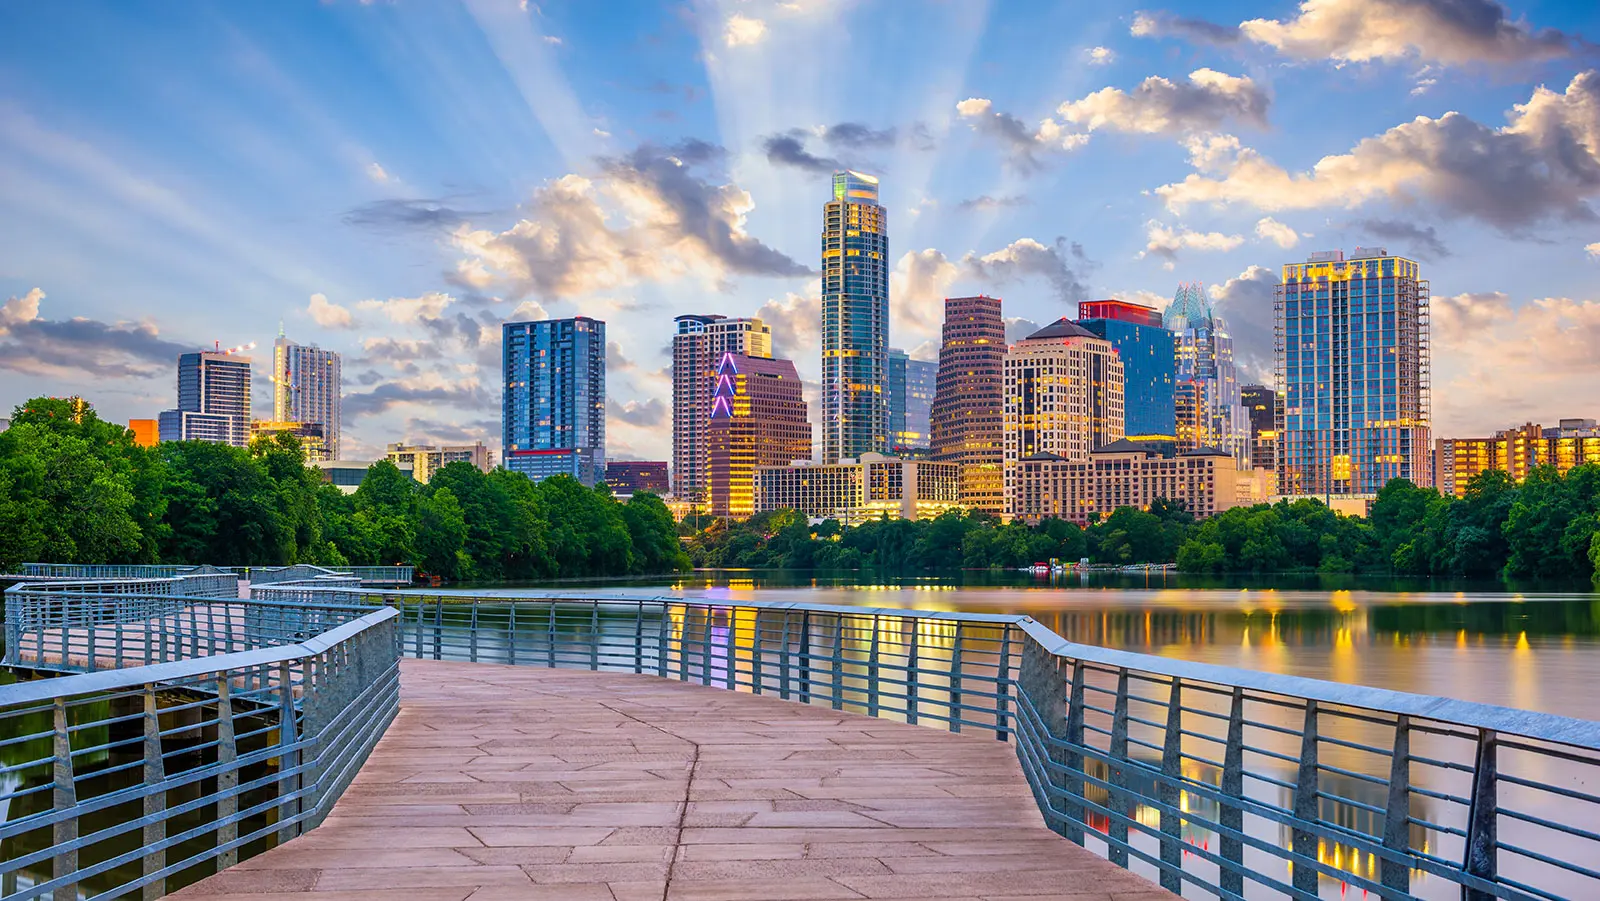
(855, 320)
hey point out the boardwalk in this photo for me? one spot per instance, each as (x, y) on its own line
(519, 784)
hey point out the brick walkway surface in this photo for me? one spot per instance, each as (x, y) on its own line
(503, 783)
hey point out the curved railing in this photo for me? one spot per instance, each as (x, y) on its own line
(369, 575)
(1227, 782)
(196, 731)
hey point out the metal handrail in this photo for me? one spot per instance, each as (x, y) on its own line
(372, 575)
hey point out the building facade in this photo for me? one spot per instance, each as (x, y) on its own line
(1148, 351)
(307, 385)
(213, 400)
(146, 432)
(313, 440)
(425, 459)
(1352, 373)
(1456, 461)
(347, 475)
(856, 491)
(1203, 356)
(855, 319)
(553, 416)
(967, 417)
(758, 418)
(1063, 397)
(627, 477)
(1261, 406)
(1123, 474)
(697, 347)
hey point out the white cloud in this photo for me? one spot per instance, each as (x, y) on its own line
(743, 31)
(377, 173)
(328, 314)
(1021, 141)
(1446, 31)
(919, 284)
(1165, 242)
(408, 310)
(528, 311)
(795, 320)
(552, 40)
(20, 310)
(1270, 229)
(1100, 56)
(1160, 106)
(1592, 249)
(1544, 163)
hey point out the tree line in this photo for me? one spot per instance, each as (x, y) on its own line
(77, 489)
(1548, 527)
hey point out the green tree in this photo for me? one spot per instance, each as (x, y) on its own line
(441, 536)
(62, 502)
(656, 548)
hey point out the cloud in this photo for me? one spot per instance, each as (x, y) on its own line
(431, 390)
(1060, 264)
(408, 310)
(1018, 328)
(67, 348)
(1541, 351)
(1165, 242)
(1100, 56)
(789, 149)
(743, 31)
(1162, 25)
(1592, 249)
(649, 216)
(1205, 102)
(1456, 32)
(986, 202)
(858, 136)
(329, 315)
(397, 214)
(795, 320)
(646, 414)
(377, 173)
(1270, 229)
(1544, 163)
(432, 431)
(1246, 303)
(1414, 241)
(616, 360)
(919, 284)
(1020, 142)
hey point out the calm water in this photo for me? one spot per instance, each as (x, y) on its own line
(1527, 647)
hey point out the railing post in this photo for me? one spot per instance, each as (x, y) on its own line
(594, 637)
(1230, 813)
(1483, 817)
(511, 634)
(805, 657)
(438, 629)
(155, 802)
(64, 863)
(1170, 792)
(705, 646)
(836, 662)
(872, 669)
(1307, 806)
(472, 636)
(756, 675)
(955, 681)
(1072, 756)
(227, 773)
(550, 638)
(1396, 816)
(783, 660)
(663, 640)
(638, 636)
(913, 672)
(730, 650)
(1002, 687)
(288, 755)
(1118, 800)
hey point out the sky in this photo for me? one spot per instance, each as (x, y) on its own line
(394, 179)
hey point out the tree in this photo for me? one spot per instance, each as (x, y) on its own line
(656, 548)
(441, 536)
(62, 502)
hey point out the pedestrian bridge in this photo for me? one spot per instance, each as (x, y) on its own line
(325, 737)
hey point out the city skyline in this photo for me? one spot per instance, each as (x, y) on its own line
(1051, 156)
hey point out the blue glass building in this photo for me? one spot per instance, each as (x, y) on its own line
(1148, 352)
(855, 320)
(553, 415)
(213, 400)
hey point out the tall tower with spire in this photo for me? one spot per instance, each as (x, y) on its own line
(1211, 412)
(307, 384)
(855, 319)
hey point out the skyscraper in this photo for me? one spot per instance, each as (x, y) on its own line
(758, 418)
(1352, 349)
(967, 418)
(855, 319)
(1261, 405)
(921, 381)
(553, 416)
(1148, 354)
(697, 349)
(306, 385)
(1204, 357)
(213, 399)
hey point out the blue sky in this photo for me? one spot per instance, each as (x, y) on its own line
(394, 179)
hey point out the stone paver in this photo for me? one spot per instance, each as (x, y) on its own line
(499, 783)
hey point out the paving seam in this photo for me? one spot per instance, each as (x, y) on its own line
(688, 792)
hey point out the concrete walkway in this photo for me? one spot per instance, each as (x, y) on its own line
(499, 783)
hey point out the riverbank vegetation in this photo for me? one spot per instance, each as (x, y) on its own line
(77, 489)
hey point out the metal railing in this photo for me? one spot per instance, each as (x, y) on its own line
(369, 575)
(1215, 781)
(242, 727)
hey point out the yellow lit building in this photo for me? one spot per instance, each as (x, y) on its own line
(145, 432)
(1123, 474)
(1456, 461)
(425, 459)
(855, 491)
(313, 437)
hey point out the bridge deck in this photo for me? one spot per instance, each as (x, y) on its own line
(500, 783)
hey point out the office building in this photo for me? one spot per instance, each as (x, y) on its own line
(425, 459)
(213, 399)
(1063, 396)
(347, 475)
(1123, 474)
(697, 347)
(1261, 406)
(1352, 361)
(1148, 352)
(146, 432)
(306, 388)
(553, 417)
(855, 319)
(856, 491)
(758, 418)
(1456, 461)
(967, 420)
(626, 477)
(313, 441)
(1203, 355)
(911, 387)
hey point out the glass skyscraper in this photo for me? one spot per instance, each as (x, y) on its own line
(553, 415)
(1352, 353)
(213, 400)
(1147, 350)
(855, 319)
(306, 390)
(1204, 358)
